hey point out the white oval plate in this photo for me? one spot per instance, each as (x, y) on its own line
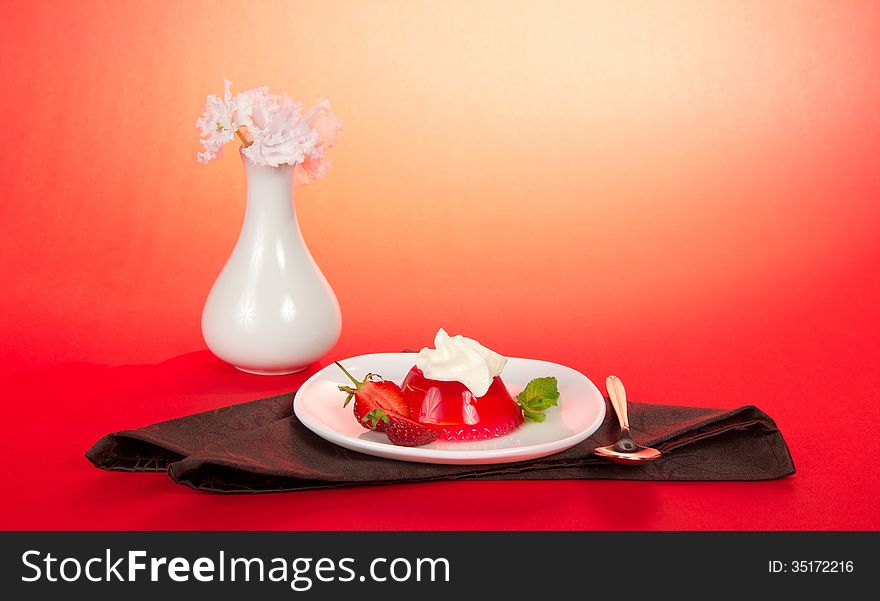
(318, 405)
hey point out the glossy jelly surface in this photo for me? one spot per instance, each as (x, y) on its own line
(456, 412)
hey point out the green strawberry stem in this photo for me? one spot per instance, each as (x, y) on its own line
(351, 391)
(357, 385)
(350, 377)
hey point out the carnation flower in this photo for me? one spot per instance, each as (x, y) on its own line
(243, 106)
(215, 125)
(329, 127)
(322, 118)
(281, 134)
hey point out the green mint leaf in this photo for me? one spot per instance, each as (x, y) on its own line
(375, 416)
(539, 395)
(535, 416)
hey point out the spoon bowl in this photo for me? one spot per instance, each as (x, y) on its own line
(640, 455)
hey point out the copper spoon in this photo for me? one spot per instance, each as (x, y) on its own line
(624, 451)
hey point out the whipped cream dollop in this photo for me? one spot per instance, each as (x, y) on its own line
(460, 359)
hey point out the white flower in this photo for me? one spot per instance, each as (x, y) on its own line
(243, 106)
(280, 134)
(322, 118)
(215, 124)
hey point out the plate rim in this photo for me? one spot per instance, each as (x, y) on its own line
(444, 456)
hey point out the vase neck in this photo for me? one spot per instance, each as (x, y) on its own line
(269, 191)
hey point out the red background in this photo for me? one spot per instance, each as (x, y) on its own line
(684, 194)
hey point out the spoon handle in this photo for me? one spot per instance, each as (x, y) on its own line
(617, 394)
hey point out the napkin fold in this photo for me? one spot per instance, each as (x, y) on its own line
(260, 446)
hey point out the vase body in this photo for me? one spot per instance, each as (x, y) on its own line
(271, 311)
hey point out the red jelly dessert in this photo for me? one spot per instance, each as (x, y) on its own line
(451, 408)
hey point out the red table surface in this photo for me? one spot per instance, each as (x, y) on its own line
(684, 195)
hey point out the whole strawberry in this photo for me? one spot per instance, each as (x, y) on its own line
(400, 430)
(371, 394)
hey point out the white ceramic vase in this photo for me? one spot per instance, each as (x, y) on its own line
(271, 311)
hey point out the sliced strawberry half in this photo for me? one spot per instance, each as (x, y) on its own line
(371, 394)
(400, 430)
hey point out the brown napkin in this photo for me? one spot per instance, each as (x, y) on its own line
(260, 446)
